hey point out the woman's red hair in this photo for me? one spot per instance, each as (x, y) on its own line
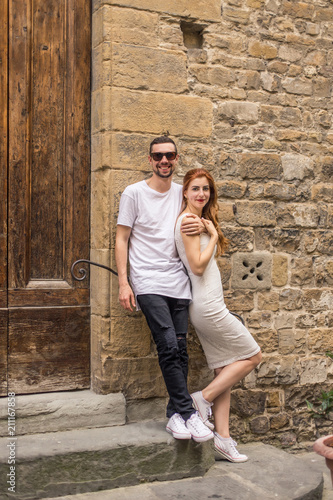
(210, 210)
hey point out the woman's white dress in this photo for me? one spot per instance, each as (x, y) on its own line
(223, 337)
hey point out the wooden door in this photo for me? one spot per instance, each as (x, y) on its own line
(46, 316)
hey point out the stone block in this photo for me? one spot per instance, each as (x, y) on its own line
(313, 371)
(325, 164)
(278, 421)
(130, 337)
(262, 50)
(256, 213)
(140, 410)
(251, 270)
(211, 11)
(322, 88)
(132, 26)
(248, 403)
(299, 86)
(259, 425)
(267, 338)
(291, 299)
(296, 166)
(324, 272)
(145, 68)
(239, 16)
(291, 341)
(290, 54)
(259, 319)
(320, 241)
(240, 239)
(298, 215)
(62, 411)
(271, 83)
(216, 75)
(282, 321)
(100, 283)
(322, 192)
(280, 270)
(100, 208)
(268, 301)
(301, 271)
(298, 9)
(154, 112)
(240, 112)
(259, 165)
(231, 189)
(239, 300)
(280, 116)
(320, 340)
(283, 240)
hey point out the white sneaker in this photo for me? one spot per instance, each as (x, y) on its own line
(226, 448)
(198, 429)
(204, 408)
(176, 426)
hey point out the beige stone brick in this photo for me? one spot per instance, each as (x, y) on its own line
(99, 283)
(299, 40)
(316, 300)
(130, 337)
(291, 299)
(255, 4)
(296, 166)
(322, 88)
(295, 70)
(271, 83)
(268, 301)
(280, 270)
(226, 213)
(290, 135)
(299, 86)
(155, 112)
(324, 272)
(259, 319)
(100, 209)
(239, 300)
(320, 340)
(213, 75)
(298, 9)
(290, 54)
(313, 29)
(279, 421)
(149, 68)
(231, 189)
(252, 213)
(301, 271)
(240, 112)
(263, 50)
(298, 215)
(278, 67)
(322, 192)
(292, 341)
(313, 371)
(236, 15)
(283, 240)
(267, 338)
(281, 116)
(129, 152)
(280, 191)
(210, 11)
(259, 165)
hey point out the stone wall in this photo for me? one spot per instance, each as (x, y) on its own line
(244, 87)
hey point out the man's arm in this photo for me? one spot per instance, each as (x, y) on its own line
(126, 295)
(192, 225)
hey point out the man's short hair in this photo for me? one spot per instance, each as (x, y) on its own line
(163, 139)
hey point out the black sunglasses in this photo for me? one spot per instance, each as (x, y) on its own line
(171, 155)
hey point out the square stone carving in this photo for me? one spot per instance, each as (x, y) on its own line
(252, 270)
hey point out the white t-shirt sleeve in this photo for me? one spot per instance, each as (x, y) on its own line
(127, 210)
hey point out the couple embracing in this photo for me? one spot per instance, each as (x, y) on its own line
(171, 235)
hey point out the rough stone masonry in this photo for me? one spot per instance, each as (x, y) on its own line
(244, 86)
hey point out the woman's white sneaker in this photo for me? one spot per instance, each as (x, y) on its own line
(226, 448)
(203, 407)
(176, 426)
(198, 429)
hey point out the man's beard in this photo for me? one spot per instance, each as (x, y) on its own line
(164, 176)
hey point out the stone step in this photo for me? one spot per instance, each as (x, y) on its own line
(269, 474)
(88, 460)
(60, 411)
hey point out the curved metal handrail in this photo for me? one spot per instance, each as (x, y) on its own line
(83, 272)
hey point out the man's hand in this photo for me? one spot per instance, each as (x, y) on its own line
(126, 297)
(192, 225)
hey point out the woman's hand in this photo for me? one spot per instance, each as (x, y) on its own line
(211, 229)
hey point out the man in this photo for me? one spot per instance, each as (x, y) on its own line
(147, 214)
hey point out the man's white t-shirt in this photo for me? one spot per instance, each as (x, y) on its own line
(155, 267)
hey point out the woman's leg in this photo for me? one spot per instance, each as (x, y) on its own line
(229, 376)
(221, 411)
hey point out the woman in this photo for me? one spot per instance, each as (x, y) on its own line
(230, 349)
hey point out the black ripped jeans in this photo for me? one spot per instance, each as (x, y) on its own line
(167, 319)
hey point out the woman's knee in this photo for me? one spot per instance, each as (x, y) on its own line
(256, 359)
